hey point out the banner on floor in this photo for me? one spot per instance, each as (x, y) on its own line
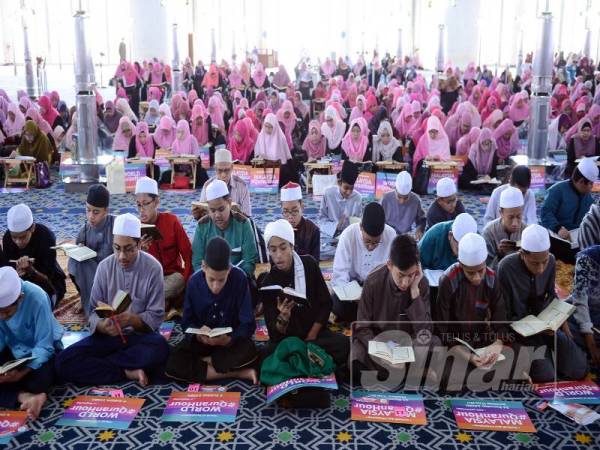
(72, 337)
(101, 412)
(205, 157)
(12, 423)
(585, 392)
(261, 334)
(407, 409)
(166, 329)
(494, 415)
(133, 172)
(437, 173)
(264, 180)
(538, 179)
(365, 185)
(202, 407)
(278, 390)
(384, 183)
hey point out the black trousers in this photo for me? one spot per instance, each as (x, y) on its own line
(35, 382)
(185, 361)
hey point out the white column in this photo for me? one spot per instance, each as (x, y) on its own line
(399, 49)
(31, 91)
(441, 50)
(463, 35)
(151, 40)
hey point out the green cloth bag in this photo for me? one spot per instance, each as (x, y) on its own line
(294, 358)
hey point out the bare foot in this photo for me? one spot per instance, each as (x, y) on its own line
(137, 375)
(250, 375)
(32, 403)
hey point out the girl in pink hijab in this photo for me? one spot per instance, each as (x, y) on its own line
(271, 143)
(154, 93)
(125, 132)
(144, 145)
(482, 160)
(457, 126)
(287, 116)
(211, 78)
(464, 143)
(405, 121)
(314, 144)
(359, 109)
(49, 112)
(55, 98)
(259, 76)
(243, 140)
(506, 139)
(24, 104)
(235, 79)
(519, 108)
(216, 112)
(15, 120)
(371, 107)
(356, 140)
(33, 114)
(493, 120)
(333, 129)
(185, 143)
(164, 135)
(433, 145)
(281, 78)
(200, 124)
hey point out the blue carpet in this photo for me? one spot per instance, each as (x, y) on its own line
(259, 426)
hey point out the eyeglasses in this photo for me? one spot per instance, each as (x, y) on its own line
(144, 205)
(291, 212)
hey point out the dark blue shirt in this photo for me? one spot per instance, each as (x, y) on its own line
(232, 307)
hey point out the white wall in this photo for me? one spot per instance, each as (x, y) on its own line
(462, 32)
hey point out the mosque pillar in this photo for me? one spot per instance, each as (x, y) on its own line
(175, 65)
(150, 40)
(541, 89)
(441, 50)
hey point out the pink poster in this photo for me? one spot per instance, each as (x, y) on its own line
(384, 183)
(437, 173)
(365, 185)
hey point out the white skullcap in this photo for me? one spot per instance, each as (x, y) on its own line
(588, 168)
(19, 218)
(472, 250)
(511, 197)
(445, 187)
(280, 228)
(127, 225)
(535, 238)
(291, 192)
(216, 189)
(11, 286)
(146, 185)
(403, 183)
(223, 156)
(463, 224)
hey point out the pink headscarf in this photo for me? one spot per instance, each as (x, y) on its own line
(186, 144)
(154, 94)
(50, 112)
(192, 97)
(356, 149)
(289, 123)
(162, 139)
(216, 115)
(259, 75)
(405, 121)
(335, 134)
(147, 149)
(211, 78)
(25, 103)
(464, 143)
(242, 150)
(235, 78)
(440, 146)
(492, 119)
(156, 76)
(14, 127)
(314, 150)
(200, 132)
(506, 147)
(120, 141)
(55, 98)
(281, 78)
(516, 113)
(358, 111)
(34, 115)
(272, 146)
(455, 124)
(480, 158)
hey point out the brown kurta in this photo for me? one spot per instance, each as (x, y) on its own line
(382, 301)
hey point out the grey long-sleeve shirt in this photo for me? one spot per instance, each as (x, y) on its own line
(143, 281)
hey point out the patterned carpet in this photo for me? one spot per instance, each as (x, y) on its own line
(259, 426)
